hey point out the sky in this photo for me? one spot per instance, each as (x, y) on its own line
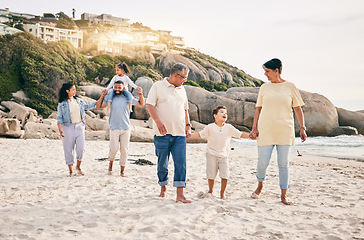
(320, 42)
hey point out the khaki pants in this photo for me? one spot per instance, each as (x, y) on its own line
(215, 164)
(119, 138)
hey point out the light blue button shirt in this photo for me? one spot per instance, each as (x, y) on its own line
(119, 112)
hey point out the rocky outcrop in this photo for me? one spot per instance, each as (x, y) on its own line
(10, 128)
(18, 110)
(93, 91)
(20, 96)
(145, 83)
(350, 118)
(197, 72)
(206, 101)
(96, 124)
(47, 129)
(343, 131)
(141, 134)
(320, 115)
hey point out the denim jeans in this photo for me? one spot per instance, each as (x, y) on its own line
(164, 145)
(264, 155)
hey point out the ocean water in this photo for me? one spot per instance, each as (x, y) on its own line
(341, 147)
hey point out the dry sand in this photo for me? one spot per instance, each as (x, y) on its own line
(39, 201)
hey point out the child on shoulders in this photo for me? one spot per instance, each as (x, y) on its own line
(121, 70)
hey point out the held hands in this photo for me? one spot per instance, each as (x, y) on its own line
(254, 133)
(188, 131)
(139, 90)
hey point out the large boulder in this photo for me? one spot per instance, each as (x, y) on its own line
(145, 83)
(350, 118)
(193, 111)
(10, 128)
(207, 101)
(101, 112)
(18, 110)
(320, 115)
(343, 131)
(93, 91)
(140, 112)
(141, 134)
(96, 135)
(3, 114)
(96, 124)
(53, 115)
(47, 129)
(20, 96)
(197, 72)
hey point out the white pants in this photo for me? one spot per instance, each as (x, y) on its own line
(74, 138)
(119, 138)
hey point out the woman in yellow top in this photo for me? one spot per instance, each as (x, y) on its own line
(274, 124)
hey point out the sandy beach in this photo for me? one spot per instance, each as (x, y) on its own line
(39, 201)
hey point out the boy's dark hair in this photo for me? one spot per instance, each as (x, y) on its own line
(274, 64)
(124, 66)
(216, 110)
(63, 95)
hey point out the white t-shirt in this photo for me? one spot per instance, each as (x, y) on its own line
(170, 103)
(75, 110)
(218, 138)
(125, 79)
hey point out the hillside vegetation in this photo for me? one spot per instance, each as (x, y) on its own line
(39, 69)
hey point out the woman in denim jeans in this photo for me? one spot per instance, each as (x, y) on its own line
(274, 125)
(71, 125)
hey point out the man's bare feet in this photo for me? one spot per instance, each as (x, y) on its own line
(71, 174)
(122, 171)
(183, 199)
(223, 197)
(163, 193)
(285, 201)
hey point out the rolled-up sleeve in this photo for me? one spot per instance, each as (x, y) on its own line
(59, 115)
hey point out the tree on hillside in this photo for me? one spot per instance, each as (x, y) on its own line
(65, 21)
(49, 15)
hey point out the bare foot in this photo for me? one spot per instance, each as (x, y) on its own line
(285, 201)
(79, 171)
(258, 191)
(223, 197)
(71, 174)
(163, 193)
(183, 199)
(122, 174)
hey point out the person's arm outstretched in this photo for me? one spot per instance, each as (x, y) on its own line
(194, 135)
(254, 133)
(245, 135)
(141, 97)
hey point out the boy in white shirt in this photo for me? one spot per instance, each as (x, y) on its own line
(218, 136)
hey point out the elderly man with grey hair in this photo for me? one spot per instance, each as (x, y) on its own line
(167, 104)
